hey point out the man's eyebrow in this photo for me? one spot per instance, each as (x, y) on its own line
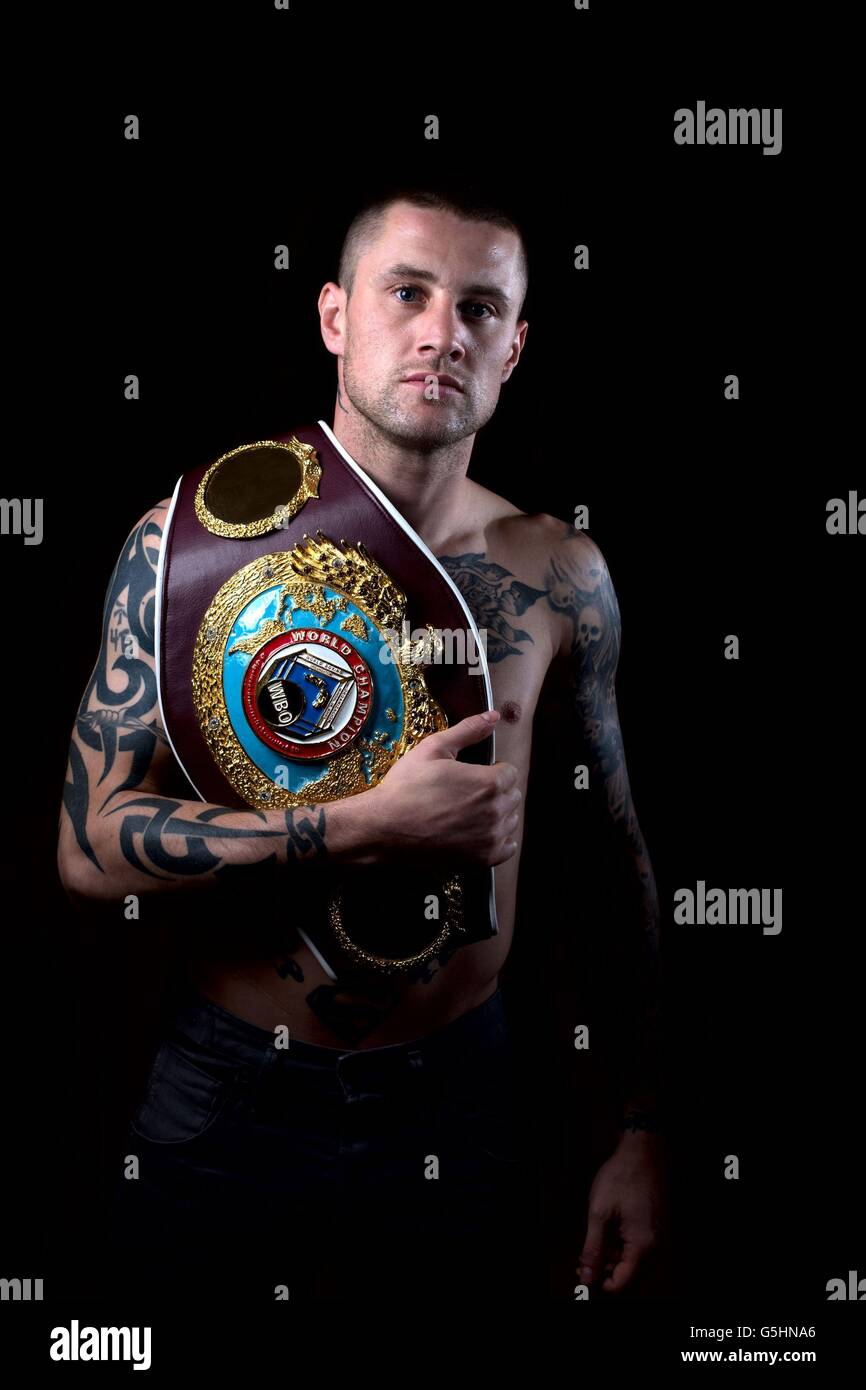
(413, 272)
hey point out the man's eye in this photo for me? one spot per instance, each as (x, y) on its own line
(412, 289)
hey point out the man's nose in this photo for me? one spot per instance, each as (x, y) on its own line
(440, 329)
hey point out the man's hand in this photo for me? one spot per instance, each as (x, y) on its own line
(627, 1201)
(432, 809)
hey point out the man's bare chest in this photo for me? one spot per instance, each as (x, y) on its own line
(507, 596)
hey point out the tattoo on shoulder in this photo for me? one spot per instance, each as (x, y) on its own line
(578, 586)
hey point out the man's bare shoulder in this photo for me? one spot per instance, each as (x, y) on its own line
(158, 513)
(569, 567)
(147, 531)
(485, 507)
(151, 524)
(492, 512)
(568, 547)
(548, 539)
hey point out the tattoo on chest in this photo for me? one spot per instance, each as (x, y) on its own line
(495, 597)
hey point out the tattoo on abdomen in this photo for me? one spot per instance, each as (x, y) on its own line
(424, 972)
(353, 1009)
(284, 943)
(290, 967)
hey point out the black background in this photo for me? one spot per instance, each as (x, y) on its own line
(710, 513)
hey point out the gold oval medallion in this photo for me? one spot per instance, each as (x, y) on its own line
(257, 488)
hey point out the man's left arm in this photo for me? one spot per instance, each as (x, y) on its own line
(628, 1186)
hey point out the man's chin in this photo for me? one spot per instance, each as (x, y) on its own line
(428, 431)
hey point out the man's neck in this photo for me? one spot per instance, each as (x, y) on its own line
(427, 487)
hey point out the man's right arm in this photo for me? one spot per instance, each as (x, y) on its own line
(127, 823)
(128, 827)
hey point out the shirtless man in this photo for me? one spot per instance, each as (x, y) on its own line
(426, 290)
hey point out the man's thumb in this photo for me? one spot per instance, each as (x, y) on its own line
(448, 742)
(589, 1262)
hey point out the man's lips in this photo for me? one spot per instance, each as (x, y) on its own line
(445, 382)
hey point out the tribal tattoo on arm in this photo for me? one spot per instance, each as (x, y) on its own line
(300, 840)
(119, 717)
(118, 746)
(579, 588)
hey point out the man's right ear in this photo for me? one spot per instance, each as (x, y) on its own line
(332, 304)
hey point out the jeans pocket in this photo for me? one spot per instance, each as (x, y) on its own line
(486, 1122)
(481, 1102)
(188, 1093)
(493, 1132)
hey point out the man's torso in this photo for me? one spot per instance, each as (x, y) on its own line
(500, 563)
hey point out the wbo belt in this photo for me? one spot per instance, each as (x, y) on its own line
(287, 583)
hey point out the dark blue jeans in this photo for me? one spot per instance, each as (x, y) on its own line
(392, 1172)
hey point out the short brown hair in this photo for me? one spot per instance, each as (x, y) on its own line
(367, 223)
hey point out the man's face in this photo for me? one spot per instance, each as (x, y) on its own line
(435, 295)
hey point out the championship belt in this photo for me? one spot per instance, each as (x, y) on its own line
(288, 585)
